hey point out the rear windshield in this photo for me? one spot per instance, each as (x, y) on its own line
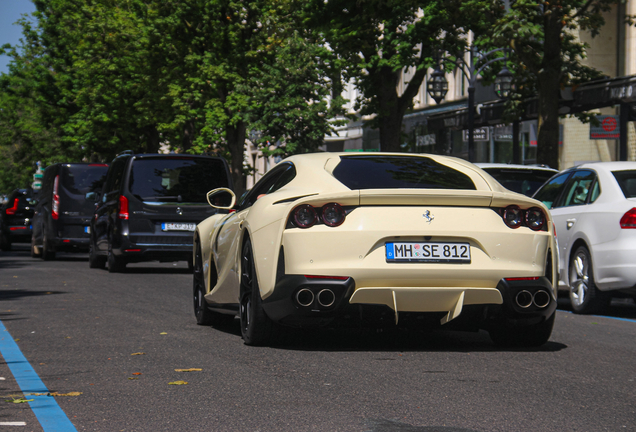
(81, 179)
(525, 181)
(397, 172)
(176, 179)
(627, 181)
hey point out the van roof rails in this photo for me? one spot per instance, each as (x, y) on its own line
(125, 152)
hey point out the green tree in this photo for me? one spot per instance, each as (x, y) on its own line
(377, 41)
(547, 56)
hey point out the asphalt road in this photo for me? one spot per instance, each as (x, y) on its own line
(111, 343)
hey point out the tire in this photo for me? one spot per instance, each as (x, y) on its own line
(47, 253)
(115, 264)
(94, 260)
(5, 244)
(535, 335)
(36, 252)
(585, 297)
(256, 327)
(204, 315)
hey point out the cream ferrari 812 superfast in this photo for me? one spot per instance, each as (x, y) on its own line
(380, 239)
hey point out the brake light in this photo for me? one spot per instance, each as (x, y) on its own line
(535, 218)
(12, 210)
(55, 205)
(304, 216)
(513, 216)
(628, 221)
(16, 228)
(333, 214)
(123, 207)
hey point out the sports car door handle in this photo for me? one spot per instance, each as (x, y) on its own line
(570, 223)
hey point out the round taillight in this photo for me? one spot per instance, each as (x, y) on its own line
(513, 216)
(304, 216)
(333, 214)
(535, 218)
(628, 221)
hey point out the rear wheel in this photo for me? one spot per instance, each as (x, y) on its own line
(94, 260)
(256, 327)
(47, 250)
(535, 335)
(585, 297)
(204, 315)
(115, 263)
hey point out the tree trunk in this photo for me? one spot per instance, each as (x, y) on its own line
(549, 91)
(235, 136)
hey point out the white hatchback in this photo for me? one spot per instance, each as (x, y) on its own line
(594, 209)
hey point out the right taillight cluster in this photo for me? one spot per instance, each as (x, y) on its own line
(306, 216)
(628, 221)
(514, 217)
(55, 204)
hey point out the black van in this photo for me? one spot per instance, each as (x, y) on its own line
(150, 206)
(62, 214)
(15, 218)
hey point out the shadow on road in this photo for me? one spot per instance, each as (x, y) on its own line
(393, 339)
(17, 294)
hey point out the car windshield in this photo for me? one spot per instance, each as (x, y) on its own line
(396, 172)
(177, 179)
(627, 181)
(81, 179)
(525, 181)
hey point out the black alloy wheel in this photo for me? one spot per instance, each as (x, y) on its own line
(115, 264)
(94, 260)
(204, 315)
(256, 327)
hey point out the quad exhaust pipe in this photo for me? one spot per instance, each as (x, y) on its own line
(525, 299)
(326, 298)
(305, 297)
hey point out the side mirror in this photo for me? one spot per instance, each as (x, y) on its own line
(91, 196)
(221, 198)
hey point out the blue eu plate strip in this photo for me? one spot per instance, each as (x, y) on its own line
(389, 251)
(45, 408)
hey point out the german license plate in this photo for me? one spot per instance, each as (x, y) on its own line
(429, 252)
(87, 229)
(178, 226)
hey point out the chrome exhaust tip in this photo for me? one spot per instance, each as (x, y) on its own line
(541, 299)
(524, 299)
(304, 297)
(326, 298)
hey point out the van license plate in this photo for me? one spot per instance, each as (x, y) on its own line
(177, 226)
(430, 252)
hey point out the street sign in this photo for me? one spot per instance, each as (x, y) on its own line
(608, 128)
(479, 134)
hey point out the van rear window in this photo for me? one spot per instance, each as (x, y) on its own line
(81, 179)
(398, 172)
(176, 179)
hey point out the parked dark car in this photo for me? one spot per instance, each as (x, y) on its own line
(62, 215)
(15, 218)
(150, 205)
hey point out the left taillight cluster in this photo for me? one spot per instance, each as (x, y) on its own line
(306, 216)
(515, 217)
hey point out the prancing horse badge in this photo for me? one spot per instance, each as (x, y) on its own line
(428, 216)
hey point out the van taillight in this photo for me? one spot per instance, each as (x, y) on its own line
(12, 210)
(123, 207)
(55, 206)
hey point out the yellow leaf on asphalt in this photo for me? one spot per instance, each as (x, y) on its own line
(188, 370)
(139, 353)
(132, 378)
(163, 333)
(177, 383)
(136, 373)
(20, 400)
(66, 394)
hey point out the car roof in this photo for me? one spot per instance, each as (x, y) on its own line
(608, 166)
